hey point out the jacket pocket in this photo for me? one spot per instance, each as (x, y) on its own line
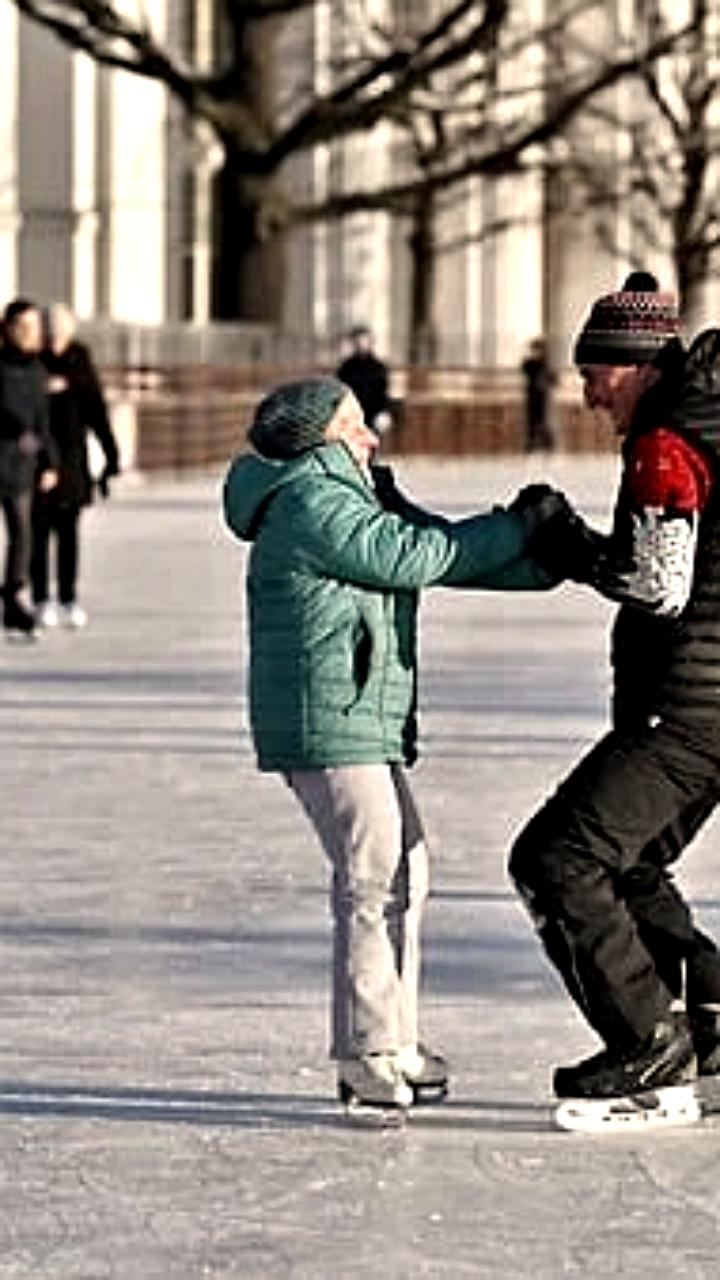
(361, 660)
(362, 655)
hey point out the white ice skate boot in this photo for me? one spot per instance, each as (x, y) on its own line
(426, 1072)
(373, 1080)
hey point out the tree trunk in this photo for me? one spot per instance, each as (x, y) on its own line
(250, 213)
(693, 273)
(249, 270)
(423, 335)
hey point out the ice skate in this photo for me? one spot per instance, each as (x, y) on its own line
(652, 1087)
(73, 616)
(673, 1106)
(19, 622)
(705, 1027)
(667, 1057)
(46, 614)
(374, 1087)
(426, 1072)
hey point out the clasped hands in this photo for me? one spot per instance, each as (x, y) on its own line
(558, 539)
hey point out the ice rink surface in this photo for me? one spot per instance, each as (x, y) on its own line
(166, 1104)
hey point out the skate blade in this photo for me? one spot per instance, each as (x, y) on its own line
(673, 1106)
(370, 1115)
(708, 1091)
(21, 637)
(427, 1095)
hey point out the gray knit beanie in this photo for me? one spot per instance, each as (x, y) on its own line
(294, 416)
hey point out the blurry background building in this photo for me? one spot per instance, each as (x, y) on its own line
(109, 202)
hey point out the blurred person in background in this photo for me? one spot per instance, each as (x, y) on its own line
(540, 379)
(77, 406)
(367, 376)
(28, 456)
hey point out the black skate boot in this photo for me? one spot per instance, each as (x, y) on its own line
(705, 1027)
(426, 1072)
(17, 620)
(667, 1057)
(568, 1081)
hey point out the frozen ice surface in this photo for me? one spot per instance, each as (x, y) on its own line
(166, 1106)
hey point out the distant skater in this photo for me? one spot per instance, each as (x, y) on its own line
(77, 406)
(28, 455)
(367, 375)
(539, 378)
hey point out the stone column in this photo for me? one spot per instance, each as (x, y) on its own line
(133, 193)
(45, 165)
(9, 221)
(84, 187)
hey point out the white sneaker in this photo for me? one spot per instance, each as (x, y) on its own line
(46, 614)
(375, 1080)
(73, 616)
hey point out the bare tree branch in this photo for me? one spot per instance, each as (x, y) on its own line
(345, 111)
(665, 180)
(502, 156)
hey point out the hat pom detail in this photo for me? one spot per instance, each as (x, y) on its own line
(640, 282)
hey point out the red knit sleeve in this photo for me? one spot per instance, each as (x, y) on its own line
(667, 471)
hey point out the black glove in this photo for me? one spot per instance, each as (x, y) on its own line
(538, 503)
(383, 480)
(565, 547)
(103, 481)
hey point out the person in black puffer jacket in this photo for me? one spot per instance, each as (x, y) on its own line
(593, 865)
(28, 456)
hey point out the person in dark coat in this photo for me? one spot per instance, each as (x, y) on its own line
(77, 405)
(539, 379)
(593, 865)
(367, 376)
(27, 453)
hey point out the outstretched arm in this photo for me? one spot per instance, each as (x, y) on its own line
(347, 537)
(521, 574)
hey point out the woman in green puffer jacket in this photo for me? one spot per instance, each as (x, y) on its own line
(336, 563)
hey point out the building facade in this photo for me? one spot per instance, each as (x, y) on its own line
(106, 202)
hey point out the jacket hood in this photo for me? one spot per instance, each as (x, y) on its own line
(698, 407)
(660, 400)
(252, 482)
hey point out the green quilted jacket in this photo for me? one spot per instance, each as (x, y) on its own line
(333, 581)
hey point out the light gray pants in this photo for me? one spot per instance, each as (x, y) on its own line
(369, 827)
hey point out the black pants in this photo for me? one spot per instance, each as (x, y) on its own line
(538, 434)
(62, 520)
(592, 867)
(16, 509)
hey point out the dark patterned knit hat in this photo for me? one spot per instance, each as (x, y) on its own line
(629, 327)
(294, 416)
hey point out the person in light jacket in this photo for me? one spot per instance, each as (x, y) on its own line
(337, 559)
